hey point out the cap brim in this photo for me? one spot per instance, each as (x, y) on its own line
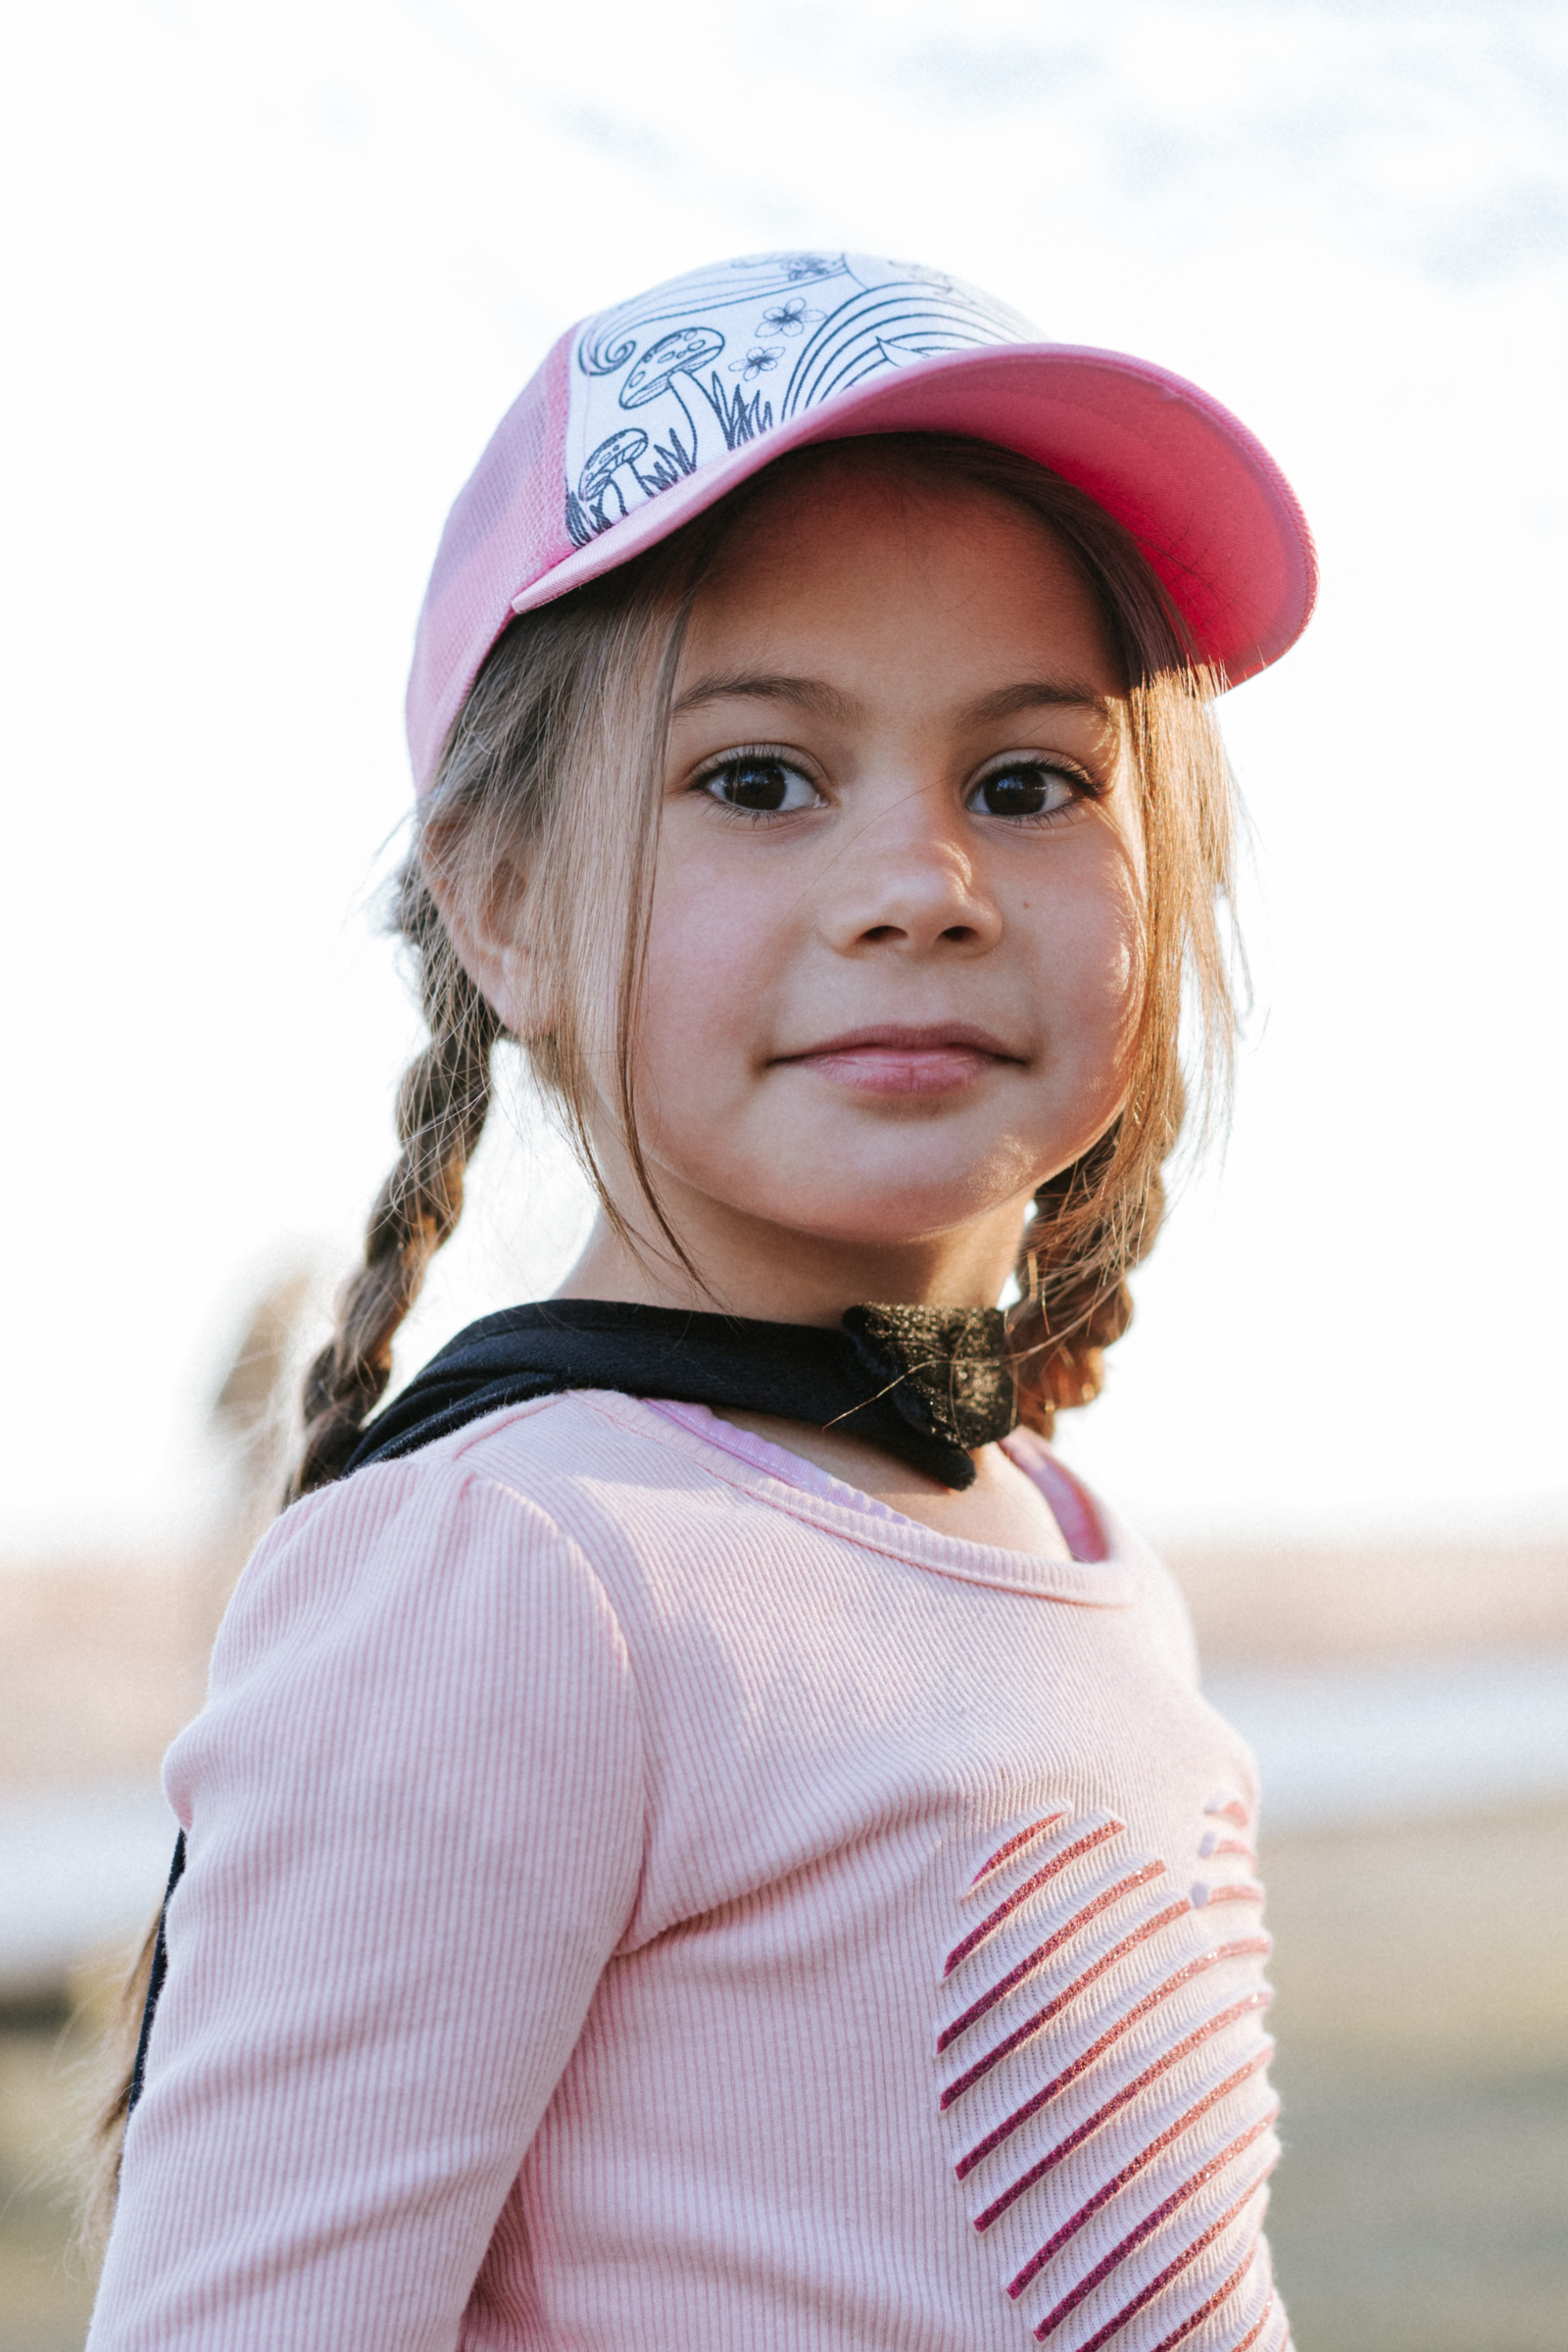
(1204, 499)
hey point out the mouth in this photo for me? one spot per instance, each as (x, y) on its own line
(892, 1059)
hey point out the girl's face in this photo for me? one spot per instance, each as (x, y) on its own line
(891, 970)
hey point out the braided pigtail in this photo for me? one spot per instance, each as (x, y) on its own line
(1081, 1244)
(441, 1106)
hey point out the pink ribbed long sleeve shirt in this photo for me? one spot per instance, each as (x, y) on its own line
(640, 1894)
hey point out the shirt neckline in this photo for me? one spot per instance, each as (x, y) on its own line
(1110, 1583)
(773, 1461)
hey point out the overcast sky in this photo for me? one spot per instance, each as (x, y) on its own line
(276, 272)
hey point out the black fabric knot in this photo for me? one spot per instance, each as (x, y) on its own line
(927, 1384)
(945, 1368)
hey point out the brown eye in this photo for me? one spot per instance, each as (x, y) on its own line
(1030, 789)
(762, 786)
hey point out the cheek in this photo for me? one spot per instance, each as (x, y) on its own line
(1087, 955)
(712, 951)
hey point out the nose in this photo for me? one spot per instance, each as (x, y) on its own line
(907, 884)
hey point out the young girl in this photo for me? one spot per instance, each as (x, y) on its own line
(704, 1834)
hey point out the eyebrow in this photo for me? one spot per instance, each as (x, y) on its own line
(766, 686)
(1041, 694)
(826, 701)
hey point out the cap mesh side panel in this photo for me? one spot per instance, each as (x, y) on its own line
(505, 527)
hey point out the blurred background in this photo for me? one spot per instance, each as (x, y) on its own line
(273, 276)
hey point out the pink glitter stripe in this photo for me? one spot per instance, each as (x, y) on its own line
(1013, 1845)
(1157, 2285)
(1058, 1862)
(1205, 2311)
(1252, 2334)
(1129, 2171)
(1151, 2223)
(1042, 2016)
(1239, 1890)
(1230, 1846)
(1234, 1811)
(1123, 2025)
(1113, 2106)
(1043, 1951)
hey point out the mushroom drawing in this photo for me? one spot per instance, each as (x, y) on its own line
(622, 448)
(681, 352)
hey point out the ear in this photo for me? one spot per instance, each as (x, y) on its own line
(488, 930)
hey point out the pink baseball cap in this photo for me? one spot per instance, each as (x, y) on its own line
(643, 416)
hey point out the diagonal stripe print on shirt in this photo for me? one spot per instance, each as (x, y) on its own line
(1101, 2071)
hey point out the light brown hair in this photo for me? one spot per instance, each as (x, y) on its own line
(548, 795)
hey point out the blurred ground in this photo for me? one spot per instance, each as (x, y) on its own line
(45, 2287)
(1422, 2008)
(1422, 2018)
(101, 1661)
(1294, 1602)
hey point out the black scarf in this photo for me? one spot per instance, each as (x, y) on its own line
(927, 1383)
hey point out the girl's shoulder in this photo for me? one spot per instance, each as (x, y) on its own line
(404, 1536)
(425, 1616)
(528, 1455)
(524, 1497)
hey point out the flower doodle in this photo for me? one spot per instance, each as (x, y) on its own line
(790, 319)
(761, 359)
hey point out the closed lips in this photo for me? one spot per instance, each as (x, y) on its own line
(897, 1060)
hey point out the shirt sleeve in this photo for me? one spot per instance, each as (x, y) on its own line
(414, 1816)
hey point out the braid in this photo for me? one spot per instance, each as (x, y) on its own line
(441, 1106)
(1078, 1251)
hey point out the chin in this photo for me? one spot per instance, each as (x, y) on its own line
(883, 1216)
